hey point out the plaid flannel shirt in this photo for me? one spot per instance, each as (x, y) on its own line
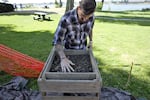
(71, 33)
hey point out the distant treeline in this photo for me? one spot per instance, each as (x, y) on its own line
(130, 1)
(5, 7)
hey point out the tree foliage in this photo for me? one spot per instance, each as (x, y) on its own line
(4, 1)
(69, 5)
(57, 5)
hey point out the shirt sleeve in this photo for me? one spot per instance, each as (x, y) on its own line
(60, 32)
(92, 22)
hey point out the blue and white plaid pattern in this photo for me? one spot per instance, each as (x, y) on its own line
(71, 33)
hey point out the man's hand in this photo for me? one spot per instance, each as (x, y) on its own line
(65, 62)
(66, 65)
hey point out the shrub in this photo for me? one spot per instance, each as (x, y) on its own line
(146, 9)
(4, 7)
(99, 6)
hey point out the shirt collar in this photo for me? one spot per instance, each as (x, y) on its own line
(74, 13)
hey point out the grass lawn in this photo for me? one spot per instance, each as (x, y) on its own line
(117, 44)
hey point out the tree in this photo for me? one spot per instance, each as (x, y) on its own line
(60, 3)
(56, 3)
(99, 5)
(126, 1)
(69, 5)
(102, 3)
(5, 1)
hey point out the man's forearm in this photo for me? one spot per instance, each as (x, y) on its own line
(65, 62)
(60, 50)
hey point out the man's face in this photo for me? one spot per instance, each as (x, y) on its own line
(82, 17)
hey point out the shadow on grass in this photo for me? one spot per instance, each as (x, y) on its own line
(125, 20)
(128, 12)
(111, 76)
(26, 12)
(36, 44)
(30, 12)
(117, 76)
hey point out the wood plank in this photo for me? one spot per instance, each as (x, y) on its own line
(95, 67)
(75, 52)
(86, 86)
(40, 13)
(70, 98)
(46, 63)
(50, 59)
(70, 76)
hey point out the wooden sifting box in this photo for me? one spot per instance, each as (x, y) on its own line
(70, 85)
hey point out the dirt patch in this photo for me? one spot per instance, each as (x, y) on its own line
(82, 63)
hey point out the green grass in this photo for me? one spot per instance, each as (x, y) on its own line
(127, 14)
(117, 43)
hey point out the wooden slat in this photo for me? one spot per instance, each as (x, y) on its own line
(49, 61)
(75, 52)
(46, 64)
(95, 67)
(70, 98)
(69, 85)
(70, 76)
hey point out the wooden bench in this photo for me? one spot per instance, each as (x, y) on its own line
(40, 16)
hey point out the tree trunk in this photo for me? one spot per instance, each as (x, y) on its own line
(60, 3)
(102, 3)
(69, 5)
(56, 2)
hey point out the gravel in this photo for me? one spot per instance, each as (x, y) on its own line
(82, 63)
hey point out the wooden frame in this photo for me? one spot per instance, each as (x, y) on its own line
(70, 82)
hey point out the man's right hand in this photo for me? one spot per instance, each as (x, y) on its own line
(66, 65)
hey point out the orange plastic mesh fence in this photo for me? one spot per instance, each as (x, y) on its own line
(16, 63)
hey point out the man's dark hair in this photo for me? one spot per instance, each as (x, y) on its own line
(88, 6)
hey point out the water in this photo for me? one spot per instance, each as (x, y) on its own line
(124, 6)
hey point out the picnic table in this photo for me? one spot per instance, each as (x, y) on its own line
(40, 16)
